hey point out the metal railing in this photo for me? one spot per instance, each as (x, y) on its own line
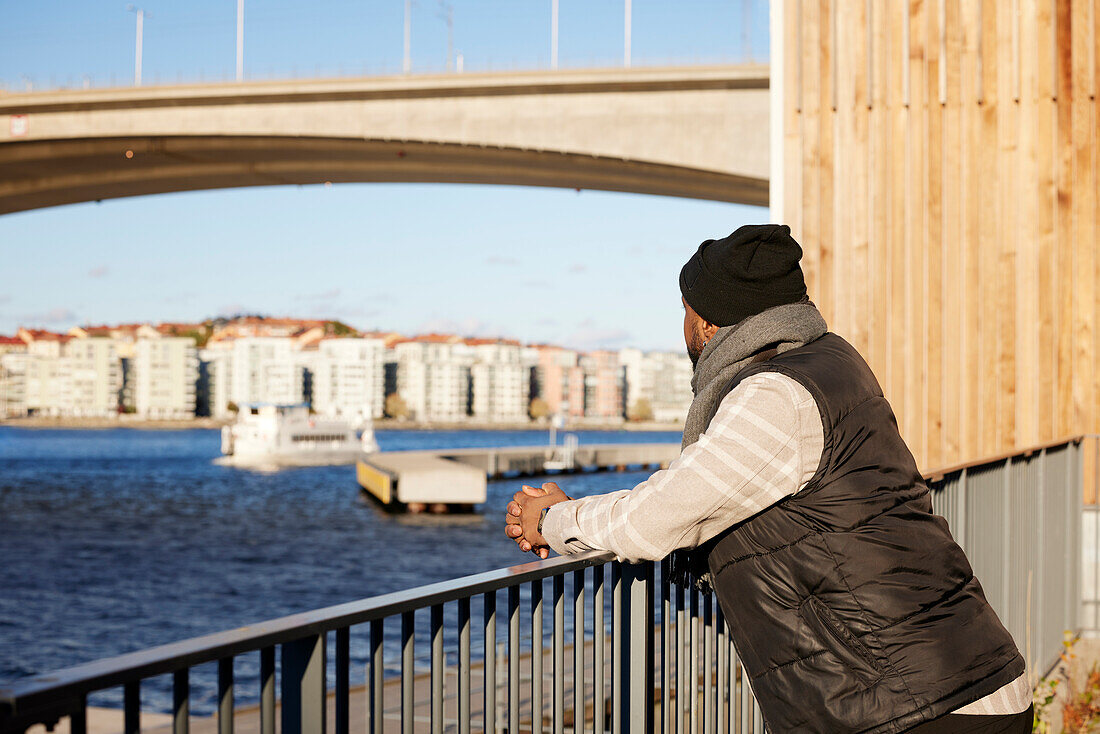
(1018, 517)
(592, 656)
(613, 663)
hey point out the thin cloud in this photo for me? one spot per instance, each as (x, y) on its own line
(233, 309)
(577, 268)
(53, 316)
(322, 296)
(463, 327)
(587, 337)
(501, 260)
(98, 271)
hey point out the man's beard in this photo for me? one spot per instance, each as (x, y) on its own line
(695, 349)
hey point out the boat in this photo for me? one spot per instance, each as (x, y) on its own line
(273, 436)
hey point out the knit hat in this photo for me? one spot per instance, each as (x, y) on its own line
(752, 270)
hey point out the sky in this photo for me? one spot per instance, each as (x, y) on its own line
(584, 269)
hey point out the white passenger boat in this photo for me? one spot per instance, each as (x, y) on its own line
(271, 436)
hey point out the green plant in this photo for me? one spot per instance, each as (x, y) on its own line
(640, 411)
(396, 406)
(538, 409)
(1081, 705)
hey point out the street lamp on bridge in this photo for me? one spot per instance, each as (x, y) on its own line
(138, 42)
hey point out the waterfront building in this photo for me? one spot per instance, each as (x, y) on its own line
(88, 379)
(603, 385)
(212, 388)
(559, 380)
(12, 344)
(13, 383)
(265, 370)
(500, 380)
(303, 330)
(348, 376)
(433, 377)
(164, 372)
(661, 380)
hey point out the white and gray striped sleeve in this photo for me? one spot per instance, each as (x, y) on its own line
(764, 444)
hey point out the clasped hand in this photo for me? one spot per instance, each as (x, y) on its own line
(521, 521)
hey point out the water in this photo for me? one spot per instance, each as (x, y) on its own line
(117, 540)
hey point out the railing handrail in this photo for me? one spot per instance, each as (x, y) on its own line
(79, 680)
(1023, 452)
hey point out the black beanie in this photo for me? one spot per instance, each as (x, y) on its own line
(752, 270)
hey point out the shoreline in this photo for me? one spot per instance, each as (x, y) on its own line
(125, 421)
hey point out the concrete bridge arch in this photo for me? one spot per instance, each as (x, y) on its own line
(699, 132)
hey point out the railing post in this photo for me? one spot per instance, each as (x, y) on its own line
(636, 645)
(303, 685)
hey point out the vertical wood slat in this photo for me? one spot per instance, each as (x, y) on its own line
(941, 161)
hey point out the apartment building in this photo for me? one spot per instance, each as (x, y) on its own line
(559, 380)
(215, 377)
(433, 377)
(164, 372)
(264, 370)
(661, 379)
(13, 382)
(348, 376)
(603, 385)
(500, 379)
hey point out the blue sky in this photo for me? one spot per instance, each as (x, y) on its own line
(587, 269)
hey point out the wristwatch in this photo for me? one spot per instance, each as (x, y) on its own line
(542, 516)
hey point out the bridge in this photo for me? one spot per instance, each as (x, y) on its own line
(698, 132)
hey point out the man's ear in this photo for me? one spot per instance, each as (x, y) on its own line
(709, 330)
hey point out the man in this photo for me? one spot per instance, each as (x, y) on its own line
(850, 604)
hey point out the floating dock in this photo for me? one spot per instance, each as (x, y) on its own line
(455, 479)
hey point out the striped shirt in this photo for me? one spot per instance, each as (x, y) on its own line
(764, 443)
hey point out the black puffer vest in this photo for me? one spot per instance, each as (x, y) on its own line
(851, 606)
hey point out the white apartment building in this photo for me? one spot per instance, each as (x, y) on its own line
(265, 370)
(661, 378)
(164, 373)
(215, 376)
(88, 379)
(349, 377)
(501, 382)
(13, 384)
(433, 377)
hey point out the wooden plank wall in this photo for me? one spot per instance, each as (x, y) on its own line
(939, 166)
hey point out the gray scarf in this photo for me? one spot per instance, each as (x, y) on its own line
(729, 351)
(732, 348)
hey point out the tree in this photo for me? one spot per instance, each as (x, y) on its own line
(232, 407)
(538, 409)
(640, 411)
(396, 407)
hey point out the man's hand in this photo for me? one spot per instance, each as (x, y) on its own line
(522, 518)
